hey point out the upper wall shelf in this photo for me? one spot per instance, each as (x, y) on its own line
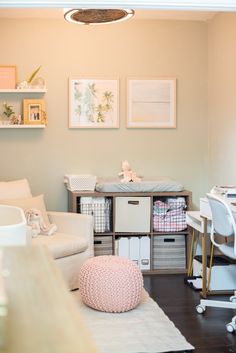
(25, 90)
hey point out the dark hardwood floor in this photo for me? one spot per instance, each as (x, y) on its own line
(207, 332)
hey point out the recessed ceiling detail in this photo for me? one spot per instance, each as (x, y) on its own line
(97, 16)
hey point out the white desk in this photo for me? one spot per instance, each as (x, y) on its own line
(202, 224)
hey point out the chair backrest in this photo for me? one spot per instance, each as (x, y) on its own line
(15, 189)
(222, 218)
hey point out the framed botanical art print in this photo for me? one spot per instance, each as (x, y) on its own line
(151, 103)
(34, 111)
(93, 103)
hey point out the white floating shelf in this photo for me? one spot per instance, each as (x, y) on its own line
(25, 90)
(41, 126)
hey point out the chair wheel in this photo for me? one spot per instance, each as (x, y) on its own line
(231, 327)
(200, 309)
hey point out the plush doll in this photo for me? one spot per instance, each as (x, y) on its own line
(35, 221)
(127, 173)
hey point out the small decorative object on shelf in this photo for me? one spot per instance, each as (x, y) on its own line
(33, 82)
(8, 114)
(32, 76)
(44, 119)
(15, 120)
(34, 112)
(22, 85)
(38, 83)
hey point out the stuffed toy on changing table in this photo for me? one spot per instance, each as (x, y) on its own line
(127, 173)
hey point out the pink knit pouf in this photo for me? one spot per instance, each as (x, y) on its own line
(110, 283)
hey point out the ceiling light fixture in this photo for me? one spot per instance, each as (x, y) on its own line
(97, 16)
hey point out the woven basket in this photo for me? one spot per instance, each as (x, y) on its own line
(80, 182)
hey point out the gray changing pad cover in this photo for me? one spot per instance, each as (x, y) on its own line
(154, 184)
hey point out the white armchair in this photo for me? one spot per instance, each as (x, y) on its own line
(70, 245)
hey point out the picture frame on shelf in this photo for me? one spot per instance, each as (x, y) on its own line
(34, 112)
(151, 103)
(93, 103)
(8, 77)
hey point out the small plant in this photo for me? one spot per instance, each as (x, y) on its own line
(32, 76)
(8, 111)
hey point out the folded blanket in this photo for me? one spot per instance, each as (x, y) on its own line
(160, 208)
(163, 225)
(173, 221)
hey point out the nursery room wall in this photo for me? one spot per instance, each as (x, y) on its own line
(222, 107)
(139, 48)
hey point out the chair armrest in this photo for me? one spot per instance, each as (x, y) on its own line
(74, 223)
(28, 235)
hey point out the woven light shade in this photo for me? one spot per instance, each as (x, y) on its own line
(97, 16)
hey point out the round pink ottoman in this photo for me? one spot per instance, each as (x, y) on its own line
(110, 283)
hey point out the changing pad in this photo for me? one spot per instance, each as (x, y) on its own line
(155, 184)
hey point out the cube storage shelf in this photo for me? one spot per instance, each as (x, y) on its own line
(160, 216)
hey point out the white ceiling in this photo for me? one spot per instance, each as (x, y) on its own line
(139, 14)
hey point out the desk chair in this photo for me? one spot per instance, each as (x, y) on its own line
(223, 224)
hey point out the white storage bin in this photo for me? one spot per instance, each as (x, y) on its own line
(132, 214)
(80, 182)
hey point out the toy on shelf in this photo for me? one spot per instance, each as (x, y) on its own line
(127, 173)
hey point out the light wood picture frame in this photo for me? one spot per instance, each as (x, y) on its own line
(8, 77)
(34, 111)
(151, 103)
(93, 103)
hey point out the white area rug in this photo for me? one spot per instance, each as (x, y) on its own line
(145, 329)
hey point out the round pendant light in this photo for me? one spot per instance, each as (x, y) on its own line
(97, 16)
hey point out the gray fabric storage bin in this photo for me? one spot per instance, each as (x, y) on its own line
(169, 252)
(103, 245)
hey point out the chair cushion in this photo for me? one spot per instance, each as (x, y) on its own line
(36, 202)
(62, 244)
(14, 189)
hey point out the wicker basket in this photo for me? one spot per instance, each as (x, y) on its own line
(80, 182)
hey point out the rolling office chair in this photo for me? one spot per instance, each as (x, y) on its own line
(223, 224)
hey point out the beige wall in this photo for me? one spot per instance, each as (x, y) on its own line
(136, 48)
(222, 100)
